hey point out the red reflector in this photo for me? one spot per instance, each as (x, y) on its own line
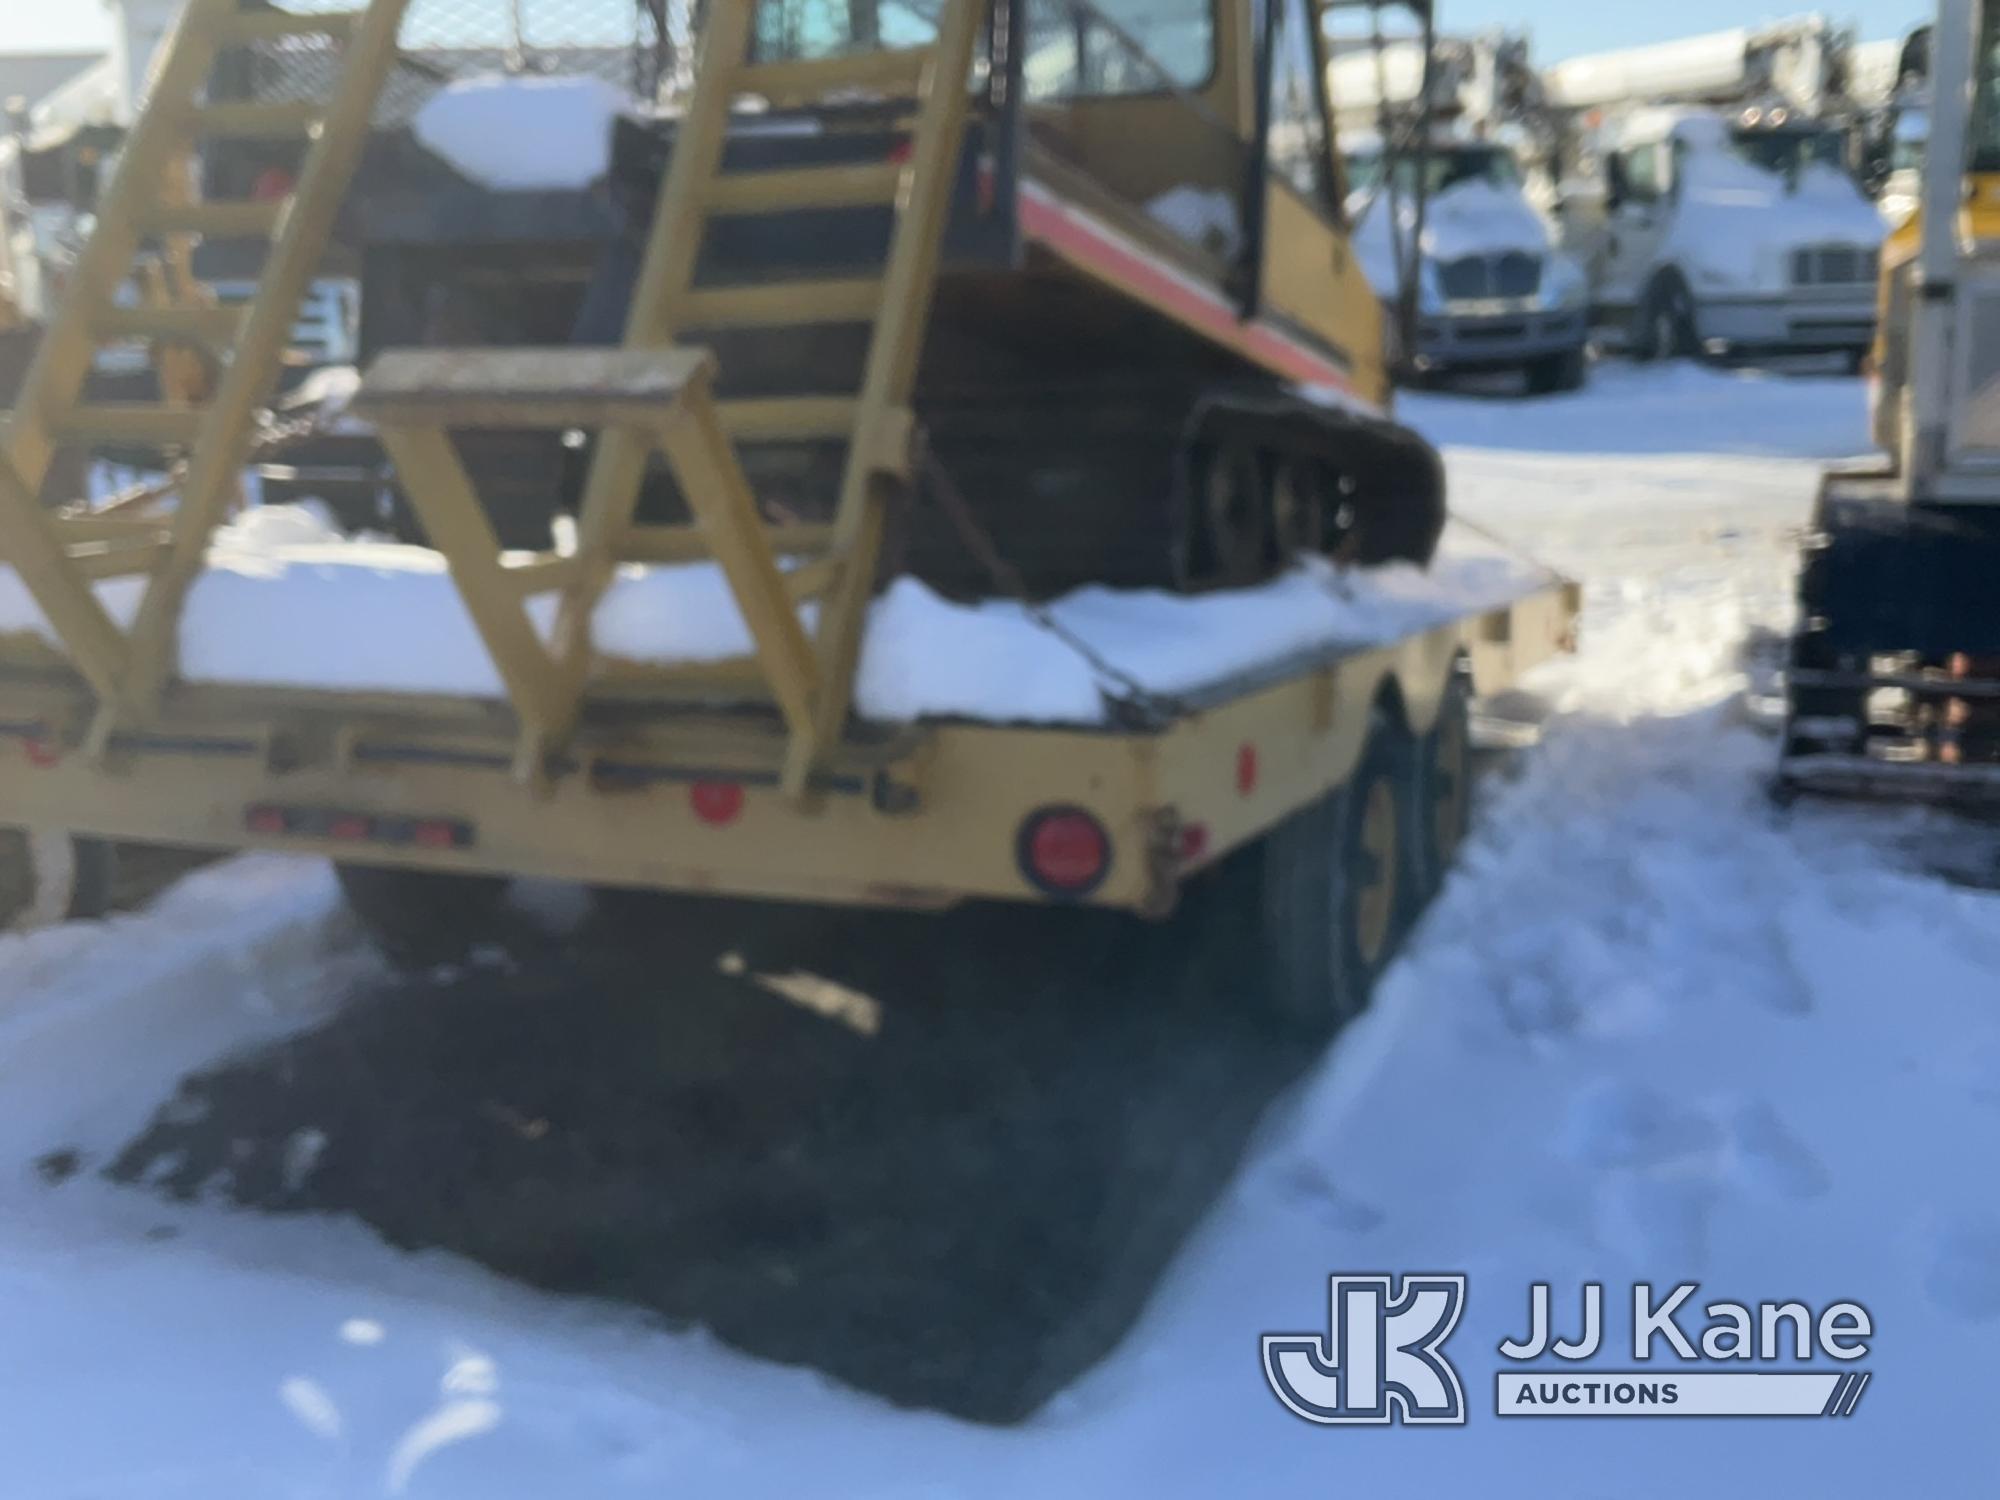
(1065, 851)
(1194, 842)
(268, 821)
(716, 802)
(347, 828)
(901, 152)
(272, 184)
(435, 835)
(42, 753)
(1246, 769)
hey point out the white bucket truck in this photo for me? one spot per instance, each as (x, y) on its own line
(1494, 290)
(1731, 221)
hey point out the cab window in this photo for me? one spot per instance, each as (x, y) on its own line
(1117, 47)
(1298, 146)
(795, 29)
(1637, 174)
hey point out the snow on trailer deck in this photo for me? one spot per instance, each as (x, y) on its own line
(1651, 1031)
(286, 601)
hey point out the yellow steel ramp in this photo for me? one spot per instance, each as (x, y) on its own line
(654, 397)
(59, 555)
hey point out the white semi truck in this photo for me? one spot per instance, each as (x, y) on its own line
(1726, 218)
(1494, 289)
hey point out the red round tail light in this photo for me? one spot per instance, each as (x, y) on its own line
(1064, 851)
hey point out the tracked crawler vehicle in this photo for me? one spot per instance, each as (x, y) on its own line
(1143, 258)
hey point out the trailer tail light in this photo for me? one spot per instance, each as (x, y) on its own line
(716, 803)
(266, 820)
(1064, 852)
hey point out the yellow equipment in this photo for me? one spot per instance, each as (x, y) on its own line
(1018, 237)
(1895, 669)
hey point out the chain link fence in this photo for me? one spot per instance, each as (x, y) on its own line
(638, 45)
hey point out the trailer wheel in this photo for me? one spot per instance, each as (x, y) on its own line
(419, 919)
(1442, 806)
(46, 878)
(1332, 891)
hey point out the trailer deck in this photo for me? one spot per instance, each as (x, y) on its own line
(682, 790)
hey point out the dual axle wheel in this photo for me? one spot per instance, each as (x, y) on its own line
(1302, 923)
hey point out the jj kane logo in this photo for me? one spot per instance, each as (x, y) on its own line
(1382, 1357)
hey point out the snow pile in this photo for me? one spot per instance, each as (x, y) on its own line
(926, 657)
(1207, 217)
(517, 134)
(287, 602)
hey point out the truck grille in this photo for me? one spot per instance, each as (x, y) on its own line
(1833, 265)
(1515, 273)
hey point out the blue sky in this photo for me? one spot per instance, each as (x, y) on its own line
(1561, 27)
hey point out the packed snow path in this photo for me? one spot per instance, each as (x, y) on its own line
(1652, 1030)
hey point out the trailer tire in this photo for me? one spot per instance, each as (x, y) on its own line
(419, 919)
(47, 878)
(1442, 807)
(1326, 892)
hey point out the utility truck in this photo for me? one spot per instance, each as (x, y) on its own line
(894, 278)
(1894, 687)
(1889, 82)
(1727, 219)
(1494, 292)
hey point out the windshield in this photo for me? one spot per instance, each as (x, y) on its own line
(826, 28)
(1074, 47)
(1789, 152)
(1493, 165)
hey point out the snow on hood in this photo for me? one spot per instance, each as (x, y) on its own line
(1468, 218)
(1735, 217)
(523, 134)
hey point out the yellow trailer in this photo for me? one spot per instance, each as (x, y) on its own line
(1294, 816)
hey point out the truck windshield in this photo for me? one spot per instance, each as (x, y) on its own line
(1493, 165)
(1790, 152)
(788, 29)
(1083, 47)
(1074, 47)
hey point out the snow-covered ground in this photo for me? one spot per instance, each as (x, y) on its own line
(1653, 1030)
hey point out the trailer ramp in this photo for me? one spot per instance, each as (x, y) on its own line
(652, 398)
